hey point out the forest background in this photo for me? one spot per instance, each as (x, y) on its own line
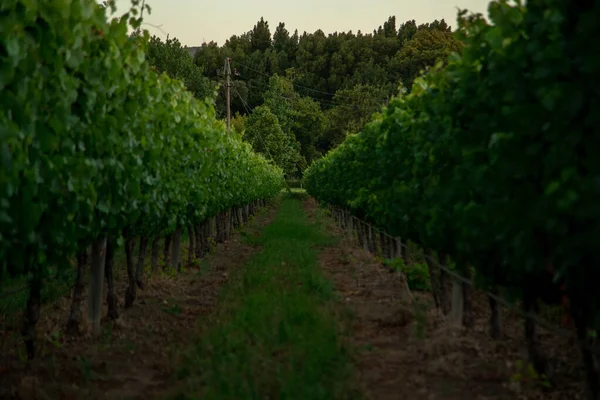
(296, 96)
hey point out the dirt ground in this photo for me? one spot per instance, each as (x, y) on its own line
(406, 350)
(135, 356)
(403, 348)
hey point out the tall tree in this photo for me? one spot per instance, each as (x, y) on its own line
(356, 107)
(264, 133)
(174, 60)
(407, 30)
(260, 37)
(209, 57)
(426, 48)
(281, 38)
(300, 117)
(280, 98)
(389, 28)
(341, 72)
(308, 125)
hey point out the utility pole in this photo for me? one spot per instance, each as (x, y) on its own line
(228, 73)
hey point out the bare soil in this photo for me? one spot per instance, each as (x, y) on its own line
(405, 348)
(136, 355)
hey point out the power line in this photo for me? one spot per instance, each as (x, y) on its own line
(314, 98)
(323, 101)
(250, 112)
(296, 84)
(159, 27)
(251, 84)
(320, 100)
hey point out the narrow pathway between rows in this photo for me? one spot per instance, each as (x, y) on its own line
(311, 316)
(278, 332)
(288, 309)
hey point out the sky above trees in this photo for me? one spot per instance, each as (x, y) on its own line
(194, 22)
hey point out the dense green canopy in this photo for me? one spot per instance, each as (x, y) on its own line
(322, 87)
(94, 141)
(494, 158)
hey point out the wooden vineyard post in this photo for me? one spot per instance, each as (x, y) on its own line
(75, 313)
(96, 284)
(364, 234)
(154, 253)
(130, 293)
(139, 269)
(176, 250)
(383, 242)
(166, 250)
(192, 244)
(456, 314)
(372, 240)
(350, 226)
(468, 319)
(109, 263)
(495, 324)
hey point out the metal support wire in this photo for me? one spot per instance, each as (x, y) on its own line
(538, 320)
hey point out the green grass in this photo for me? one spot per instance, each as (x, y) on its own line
(293, 190)
(278, 334)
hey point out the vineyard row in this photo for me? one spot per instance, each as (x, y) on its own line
(98, 149)
(492, 162)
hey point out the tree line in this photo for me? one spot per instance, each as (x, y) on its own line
(306, 91)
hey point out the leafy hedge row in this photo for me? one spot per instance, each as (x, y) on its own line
(494, 159)
(93, 141)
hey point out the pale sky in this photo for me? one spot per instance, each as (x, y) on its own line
(195, 21)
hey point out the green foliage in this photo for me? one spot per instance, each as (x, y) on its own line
(527, 376)
(173, 309)
(280, 98)
(420, 309)
(334, 82)
(94, 141)
(300, 118)
(261, 36)
(308, 125)
(264, 133)
(174, 60)
(356, 108)
(425, 49)
(278, 333)
(417, 274)
(492, 159)
(85, 367)
(238, 124)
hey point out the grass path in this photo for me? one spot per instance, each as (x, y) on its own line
(290, 307)
(278, 333)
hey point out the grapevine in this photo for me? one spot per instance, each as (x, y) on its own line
(96, 144)
(490, 160)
